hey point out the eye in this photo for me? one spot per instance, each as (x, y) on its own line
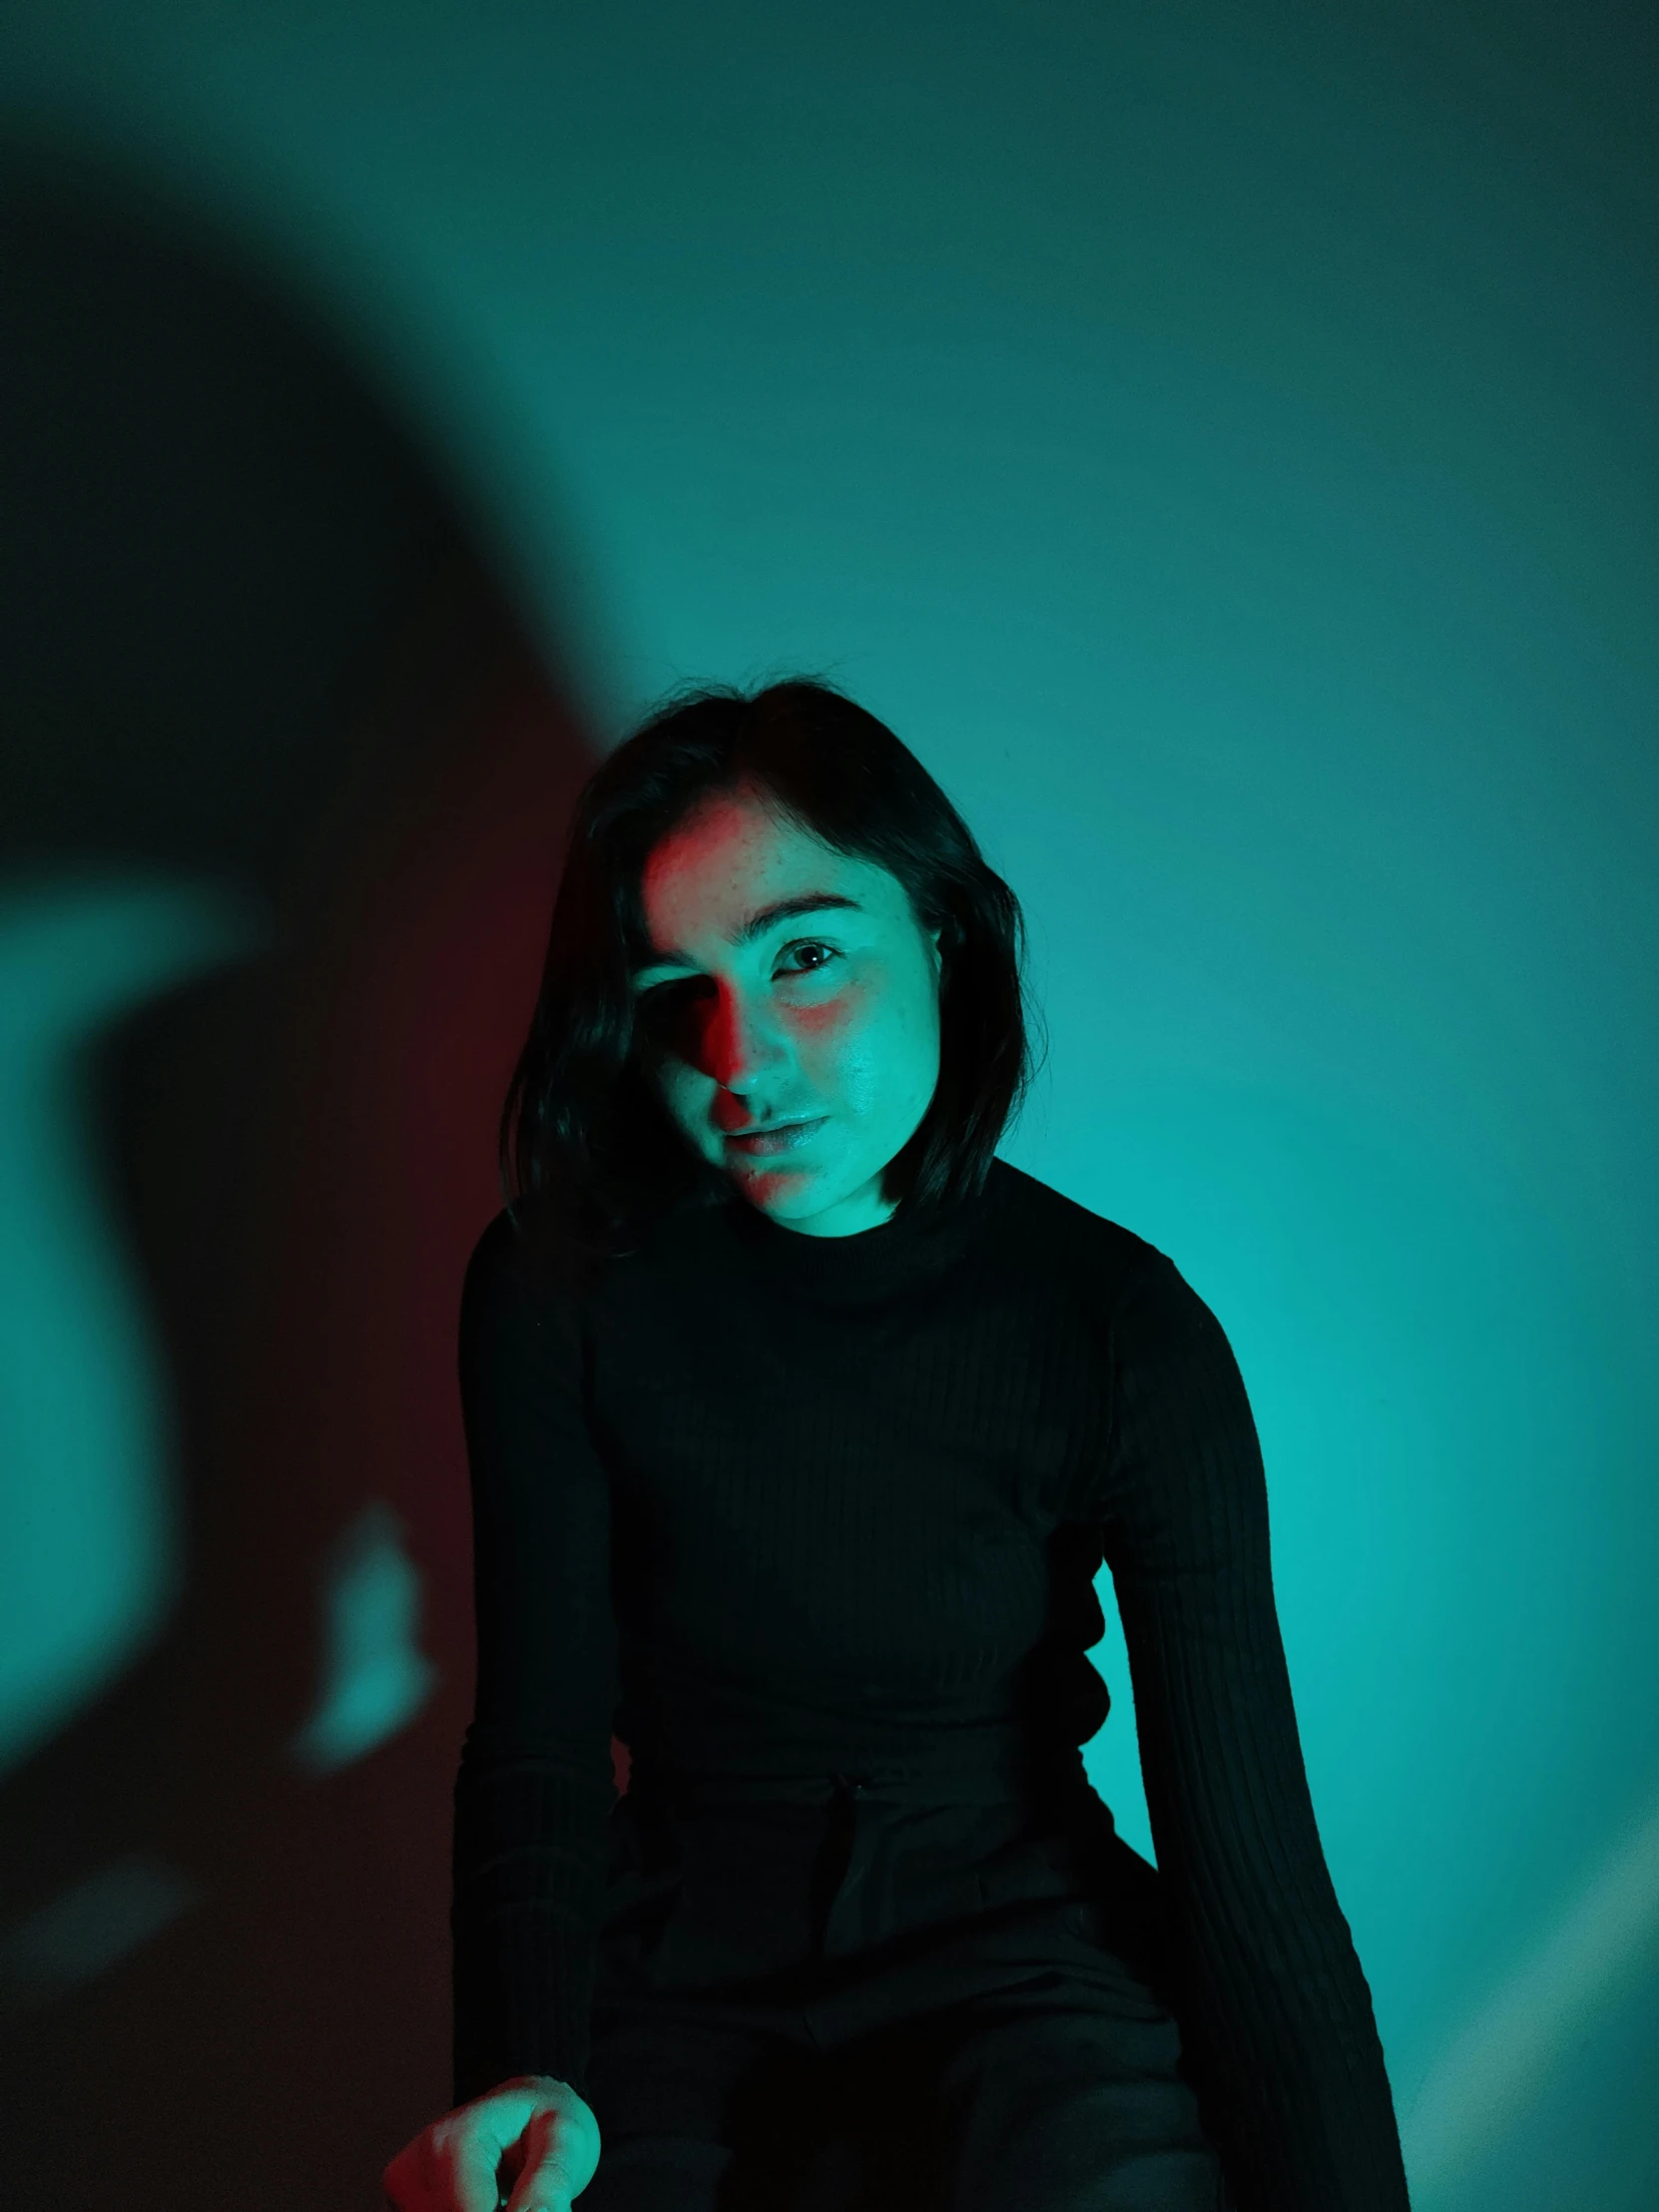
(825, 952)
(665, 1013)
(662, 1010)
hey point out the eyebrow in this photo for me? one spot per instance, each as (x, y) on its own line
(758, 922)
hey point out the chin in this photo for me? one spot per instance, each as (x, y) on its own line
(766, 1193)
(786, 1196)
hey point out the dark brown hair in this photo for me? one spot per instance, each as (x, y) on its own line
(581, 1129)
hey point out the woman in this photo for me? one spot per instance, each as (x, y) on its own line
(799, 1428)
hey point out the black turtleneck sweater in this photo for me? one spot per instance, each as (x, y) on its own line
(764, 1504)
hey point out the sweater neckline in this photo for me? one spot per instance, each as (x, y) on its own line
(903, 1252)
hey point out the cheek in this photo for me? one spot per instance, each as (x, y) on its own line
(682, 1091)
(869, 1050)
(832, 1049)
(837, 1046)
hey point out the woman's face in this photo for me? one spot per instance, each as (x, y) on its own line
(790, 1017)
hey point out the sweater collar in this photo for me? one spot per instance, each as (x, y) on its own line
(904, 1253)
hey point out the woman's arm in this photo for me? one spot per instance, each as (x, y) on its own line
(535, 1782)
(1275, 2011)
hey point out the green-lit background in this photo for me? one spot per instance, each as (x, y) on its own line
(1221, 441)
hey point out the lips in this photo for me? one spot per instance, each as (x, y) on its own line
(776, 1137)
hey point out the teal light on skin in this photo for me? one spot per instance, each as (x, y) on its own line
(793, 986)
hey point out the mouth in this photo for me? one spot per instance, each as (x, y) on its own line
(778, 1136)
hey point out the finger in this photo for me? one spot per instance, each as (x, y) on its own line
(465, 2166)
(472, 2184)
(559, 2163)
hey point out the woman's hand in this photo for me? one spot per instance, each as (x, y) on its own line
(532, 2137)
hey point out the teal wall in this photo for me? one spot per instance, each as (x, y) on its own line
(1221, 443)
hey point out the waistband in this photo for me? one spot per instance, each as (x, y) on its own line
(1017, 1776)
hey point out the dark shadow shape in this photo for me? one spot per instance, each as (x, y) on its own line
(246, 636)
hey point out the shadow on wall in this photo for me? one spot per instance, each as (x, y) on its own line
(281, 799)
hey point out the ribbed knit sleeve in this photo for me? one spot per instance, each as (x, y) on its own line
(535, 1784)
(1274, 2010)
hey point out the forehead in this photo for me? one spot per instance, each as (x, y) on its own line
(736, 851)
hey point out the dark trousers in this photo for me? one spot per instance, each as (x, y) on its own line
(874, 2007)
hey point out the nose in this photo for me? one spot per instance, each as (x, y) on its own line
(743, 1046)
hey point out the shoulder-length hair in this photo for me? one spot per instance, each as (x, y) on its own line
(581, 1130)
